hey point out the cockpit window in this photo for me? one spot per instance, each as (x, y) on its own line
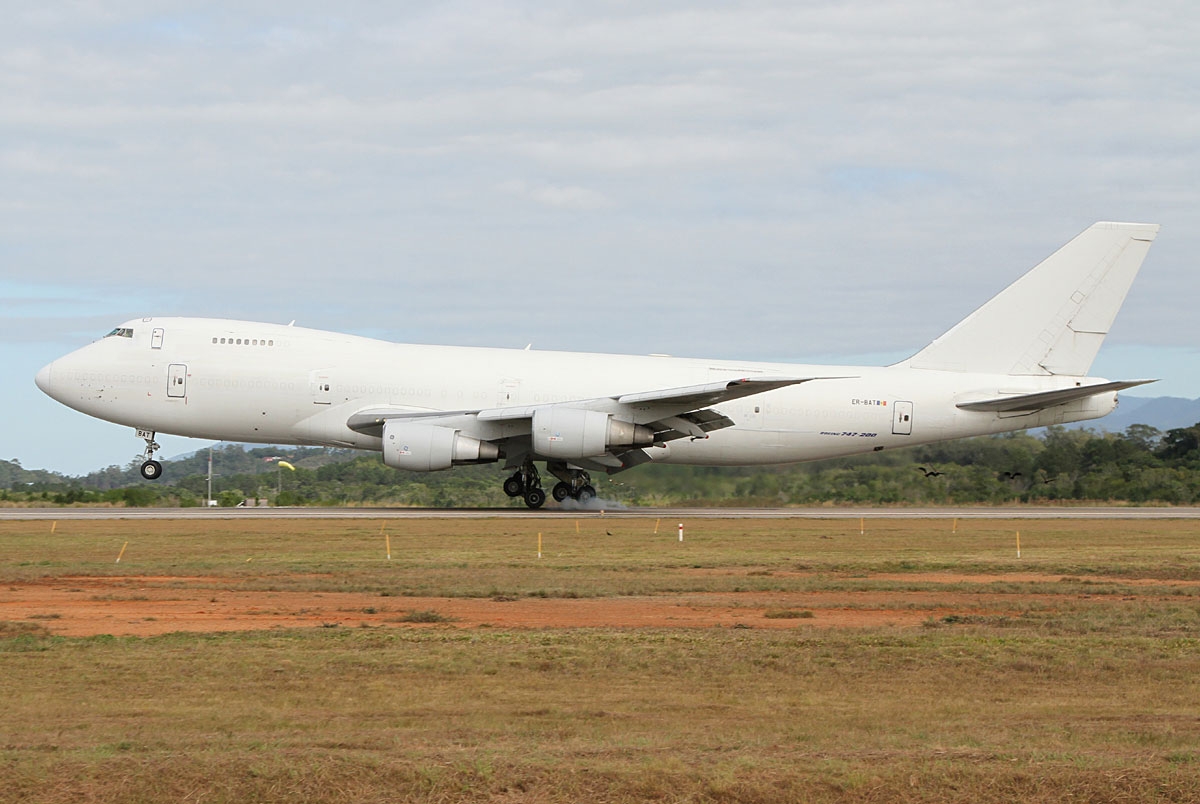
(121, 332)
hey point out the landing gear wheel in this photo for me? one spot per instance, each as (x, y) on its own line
(535, 498)
(561, 491)
(586, 494)
(514, 486)
(150, 468)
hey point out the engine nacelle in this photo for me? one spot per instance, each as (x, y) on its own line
(573, 433)
(428, 448)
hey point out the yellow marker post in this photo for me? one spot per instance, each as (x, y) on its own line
(539, 545)
(955, 525)
(118, 561)
(53, 526)
(862, 525)
(1018, 544)
(576, 527)
(387, 537)
(656, 526)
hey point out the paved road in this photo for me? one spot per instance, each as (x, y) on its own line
(560, 513)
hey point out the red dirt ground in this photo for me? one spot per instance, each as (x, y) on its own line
(146, 606)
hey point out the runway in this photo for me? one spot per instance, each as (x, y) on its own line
(679, 514)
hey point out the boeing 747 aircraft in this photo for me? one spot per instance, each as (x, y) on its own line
(1019, 361)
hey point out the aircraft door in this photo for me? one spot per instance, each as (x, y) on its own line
(509, 393)
(177, 380)
(902, 413)
(321, 388)
(156, 338)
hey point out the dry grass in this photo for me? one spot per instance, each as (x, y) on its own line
(1087, 696)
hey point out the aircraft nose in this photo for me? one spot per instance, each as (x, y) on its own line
(43, 379)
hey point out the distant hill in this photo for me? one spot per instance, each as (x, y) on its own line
(228, 459)
(1162, 412)
(13, 475)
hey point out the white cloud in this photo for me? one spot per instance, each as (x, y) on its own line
(802, 177)
(556, 195)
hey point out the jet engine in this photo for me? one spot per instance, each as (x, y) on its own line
(428, 448)
(560, 432)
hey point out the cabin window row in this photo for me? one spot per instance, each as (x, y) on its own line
(245, 341)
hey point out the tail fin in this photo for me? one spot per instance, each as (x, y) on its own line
(1053, 319)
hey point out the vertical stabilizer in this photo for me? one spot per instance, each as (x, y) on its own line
(1053, 319)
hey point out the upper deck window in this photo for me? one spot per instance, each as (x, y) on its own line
(121, 332)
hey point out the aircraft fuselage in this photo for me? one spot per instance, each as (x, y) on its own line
(267, 383)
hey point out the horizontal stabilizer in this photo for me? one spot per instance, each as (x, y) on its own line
(1047, 399)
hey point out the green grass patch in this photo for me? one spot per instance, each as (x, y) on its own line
(1067, 678)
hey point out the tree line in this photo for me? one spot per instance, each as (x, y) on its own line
(1141, 465)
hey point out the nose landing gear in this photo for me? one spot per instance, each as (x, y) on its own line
(150, 468)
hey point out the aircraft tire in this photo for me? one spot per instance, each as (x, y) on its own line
(561, 491)
(586, 494)
(535, 498)
(513, 486)
(151, 470)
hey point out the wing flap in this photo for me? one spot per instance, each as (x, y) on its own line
(1047, 399)
(696, 424)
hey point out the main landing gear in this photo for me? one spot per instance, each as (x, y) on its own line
(150, 468)
(573, 483)
(526, 482)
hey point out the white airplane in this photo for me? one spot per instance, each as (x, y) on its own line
(1019, 361)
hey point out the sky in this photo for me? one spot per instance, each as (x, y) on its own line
(811, 182)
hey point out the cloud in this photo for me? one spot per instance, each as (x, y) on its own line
(765, 180)
(561, 197)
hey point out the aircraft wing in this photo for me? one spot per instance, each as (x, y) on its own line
(644, 407)
(640, 408)
(671, 413)
(1047, 399)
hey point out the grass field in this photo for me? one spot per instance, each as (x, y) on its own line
(1070, 673)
